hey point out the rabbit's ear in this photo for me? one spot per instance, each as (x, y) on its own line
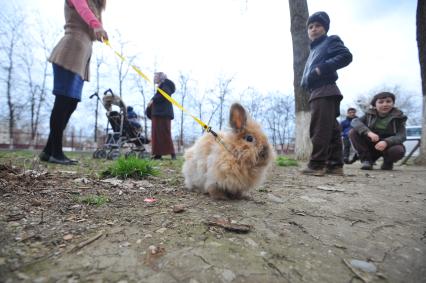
(237, 117)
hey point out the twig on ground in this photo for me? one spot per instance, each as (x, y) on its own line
(42, 219)
(85, 243)
(357, 274)
(356, 221)
(274, 267)
(227, 224)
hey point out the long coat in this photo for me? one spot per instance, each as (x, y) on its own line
(161, 106)
(74, 50)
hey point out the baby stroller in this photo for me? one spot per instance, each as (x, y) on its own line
(123, 136)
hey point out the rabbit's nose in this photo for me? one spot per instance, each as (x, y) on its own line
(264, 152)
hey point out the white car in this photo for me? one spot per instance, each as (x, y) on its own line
(414, 134)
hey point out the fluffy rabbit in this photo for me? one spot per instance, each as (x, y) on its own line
(229, 171)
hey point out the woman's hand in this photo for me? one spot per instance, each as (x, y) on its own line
(373, 137)
(381, 145)
(100, 34)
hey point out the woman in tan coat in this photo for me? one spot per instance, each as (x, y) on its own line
(70, 60)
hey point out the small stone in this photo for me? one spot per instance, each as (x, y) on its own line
(363, 265)
(228, 275)
(139, 241)
(179, 208)
(22, 276)
(35, 202)
(68, 237)
(275, 199)
(40, 280)
(251, 242)
(161, 230)
(153, 249)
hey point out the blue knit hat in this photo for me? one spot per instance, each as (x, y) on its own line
(320, 17)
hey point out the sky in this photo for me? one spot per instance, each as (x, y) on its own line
(250, 40)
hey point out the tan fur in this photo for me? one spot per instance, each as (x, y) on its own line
(110, 100)
(212, 169)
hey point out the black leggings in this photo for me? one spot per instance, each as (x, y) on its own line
(62, 110)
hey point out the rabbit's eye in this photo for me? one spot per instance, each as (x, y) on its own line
(249, 138)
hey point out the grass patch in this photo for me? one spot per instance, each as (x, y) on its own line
(131, 168)
(93, 200)
(285, 161)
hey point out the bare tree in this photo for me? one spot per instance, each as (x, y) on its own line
(37, 86)
(299, 15)
(279, 118)
(99, 61)
(141, 85)
(123, 67)
(10, 39)
(224, 91)
(286, 105)
(271, 118)
(35, 99)
(205, 107)
(421, 44)
(253, 101)
(184, 89)
(198, 105)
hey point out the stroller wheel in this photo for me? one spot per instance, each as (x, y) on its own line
(113, 154)
(130, 154)
(95, 154)
(101, 154)
(143, 155)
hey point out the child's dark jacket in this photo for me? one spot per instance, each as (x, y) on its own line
(394, 132)
(329, 54)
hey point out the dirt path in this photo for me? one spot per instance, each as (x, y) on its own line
(302, 229)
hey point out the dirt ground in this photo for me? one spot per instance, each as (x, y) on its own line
(363, 227)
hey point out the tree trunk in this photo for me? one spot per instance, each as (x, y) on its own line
(421, 43)
(183, 80)
(10, 103)
(299, 15)
(99, 62)
(224, 90)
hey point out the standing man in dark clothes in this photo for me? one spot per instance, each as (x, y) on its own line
(346, 127)
(327, 54)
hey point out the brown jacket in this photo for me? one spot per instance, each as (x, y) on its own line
(74, 50)
(394, 132)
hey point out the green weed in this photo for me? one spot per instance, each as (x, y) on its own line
(285, 161)
(131, 167)
(92, 200)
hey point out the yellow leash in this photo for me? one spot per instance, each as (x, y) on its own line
(169, 98)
